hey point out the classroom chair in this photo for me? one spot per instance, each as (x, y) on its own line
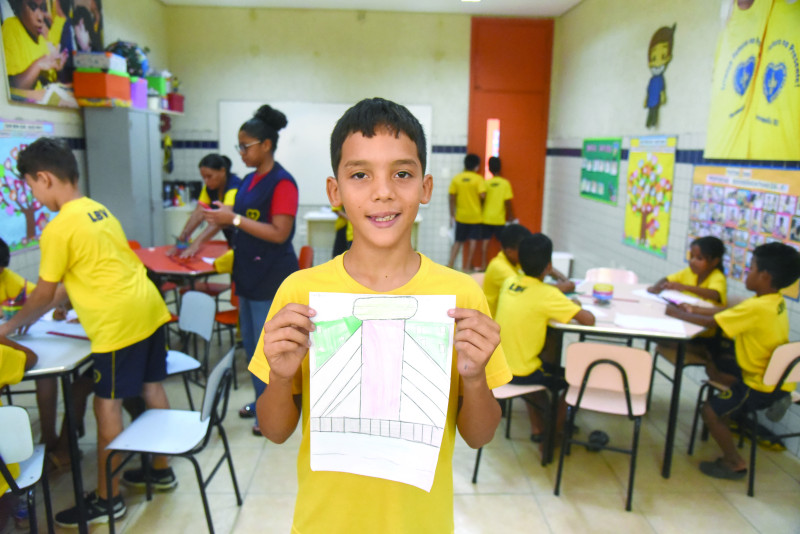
(179, 433)
(608, 379)
(506, 394)
(229, 319)
(783, 367)
(16, 446)
(306, 258)
(611, 276)
(196, 321)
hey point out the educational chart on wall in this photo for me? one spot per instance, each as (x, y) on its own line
(22, 217)
(600, 169)
(651, 169)
(380, 369)
(745, 208)
(755, 101)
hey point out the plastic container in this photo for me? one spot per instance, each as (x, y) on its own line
(159, 83)
(88, 84)
(175, 101)
(139, 93)
(603, 293)
(100, 60)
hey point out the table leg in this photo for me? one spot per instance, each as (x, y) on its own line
(74, 452)
(673, 410)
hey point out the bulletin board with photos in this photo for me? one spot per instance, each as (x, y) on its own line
(745, 208)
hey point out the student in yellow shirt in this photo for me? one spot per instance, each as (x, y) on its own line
(30, 58)
(344, 231)
(467, 193)
(525, 306)
(497, 208)
(758, 326)
(703, 277)
(84, 248)
(378, 157)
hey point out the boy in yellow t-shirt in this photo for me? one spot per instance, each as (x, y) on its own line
(121, 310)
(497, 208)
(344, 231)
(525, 306)
(466, 195)
(378, 157)
(758, 326)
(12, 285)
(505, 265)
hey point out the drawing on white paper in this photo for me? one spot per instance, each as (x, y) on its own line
(380, 369)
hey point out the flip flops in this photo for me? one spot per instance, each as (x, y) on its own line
(597, 440)
(248, 411)
(718, 469)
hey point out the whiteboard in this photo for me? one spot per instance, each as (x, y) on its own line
(304, 145)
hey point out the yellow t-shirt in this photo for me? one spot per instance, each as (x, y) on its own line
(774, 117)
(733, 81)
(84, 246)
(228, 198)
(716, 281)
(56, 30)
(343, 502)
(468, 186)
(525, 307)
(758, 326)
(498, 190)
(498, 270)
(224, 264)
(12, 367)
(21, 51)
(341, 223)
(12, 284)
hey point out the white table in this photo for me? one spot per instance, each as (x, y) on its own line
(59, 356)
(656, 326)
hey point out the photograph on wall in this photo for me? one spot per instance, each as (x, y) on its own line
(600, 169)
(651, 170)
(22, 217)
(745, 208)
(755, 97)
(39, 38)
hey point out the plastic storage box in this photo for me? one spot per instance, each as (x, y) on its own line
(101, 85)
(139, 92)
(175, 101)
(100, 60)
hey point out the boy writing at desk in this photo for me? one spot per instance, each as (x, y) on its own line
(120, 309)
(378, 157)
(758, 326)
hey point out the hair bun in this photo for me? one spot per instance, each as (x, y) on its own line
(271, 117)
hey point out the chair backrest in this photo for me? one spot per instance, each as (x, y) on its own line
(611, 276)
(478, 277)
(783, 361)
(217, 387)
(637, 364)
(306, 258)
(16, 439)
(135, 245)
(197, 314)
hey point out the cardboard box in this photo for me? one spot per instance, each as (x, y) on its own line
(159, 84)
(175, 101)
(101, 85)
(139, 92)
(100, 60)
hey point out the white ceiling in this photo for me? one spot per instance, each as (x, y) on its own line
(529, 8)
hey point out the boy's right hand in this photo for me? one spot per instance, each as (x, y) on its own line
(286, 340)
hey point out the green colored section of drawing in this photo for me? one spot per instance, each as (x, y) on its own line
(433, 338)
(329, 336)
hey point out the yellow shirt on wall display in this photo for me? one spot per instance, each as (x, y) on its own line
(732, 81)
(21, 50)
(774, 117)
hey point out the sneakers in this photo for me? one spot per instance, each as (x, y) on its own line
(96, 511)
(778, 409)
(160, 479)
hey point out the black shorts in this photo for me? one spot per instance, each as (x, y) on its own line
(739, 397)
(120, 374)
(491, 230)
(547, 375)
(467, 232)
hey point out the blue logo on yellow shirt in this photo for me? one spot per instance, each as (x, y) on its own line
(98, 215)
(774, 79)
(743, 75)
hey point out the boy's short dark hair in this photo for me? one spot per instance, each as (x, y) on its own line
(51, 155)
(494, 165)
(512, 234)
(369, 115)
(535, 254)
(471, 161)
(781, 261)
(5, 254)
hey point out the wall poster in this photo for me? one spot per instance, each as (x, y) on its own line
(745, 208)
(651, 170)
(600, 169)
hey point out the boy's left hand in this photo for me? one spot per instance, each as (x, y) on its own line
(476, 338)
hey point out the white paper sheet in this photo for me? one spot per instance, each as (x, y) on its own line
(657, 324)
(597, 311)
(670, 294)
(380, 370)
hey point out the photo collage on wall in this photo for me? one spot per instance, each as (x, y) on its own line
(745, 208)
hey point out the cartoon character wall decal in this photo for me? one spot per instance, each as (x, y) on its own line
(659, 55)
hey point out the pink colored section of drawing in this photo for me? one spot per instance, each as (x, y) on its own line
(381, 368)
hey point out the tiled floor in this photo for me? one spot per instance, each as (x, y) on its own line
(513, 494)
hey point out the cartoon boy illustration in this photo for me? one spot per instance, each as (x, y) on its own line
(659, 54)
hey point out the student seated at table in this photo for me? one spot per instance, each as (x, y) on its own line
(703, 277)
(758, 326)
(120, 309)
(525, 306)
(219, 185)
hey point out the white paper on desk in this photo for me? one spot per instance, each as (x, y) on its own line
(208, 260)
(680, 298)
(658, 324)
(380, 369)
(598, 312)
(645, 294)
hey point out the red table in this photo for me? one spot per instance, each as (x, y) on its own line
(157, 260)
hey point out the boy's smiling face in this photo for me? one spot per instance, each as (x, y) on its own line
(381, 184)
